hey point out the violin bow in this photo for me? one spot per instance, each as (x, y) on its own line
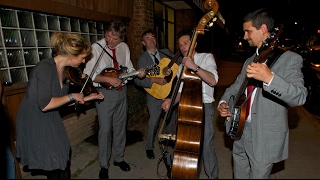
(92, 71)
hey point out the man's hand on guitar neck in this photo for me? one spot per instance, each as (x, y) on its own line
(259, 71)
(160, 81)
(224, 110)
(142, 73)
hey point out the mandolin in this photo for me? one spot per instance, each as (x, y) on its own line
(124, 75)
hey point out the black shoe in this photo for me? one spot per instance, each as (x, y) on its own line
(103, 174)
(150, 154)
(123, 165)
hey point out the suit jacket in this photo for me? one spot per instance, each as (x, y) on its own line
(145, 60)
(269, 114)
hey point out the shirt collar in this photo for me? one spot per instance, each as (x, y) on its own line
(155, 53)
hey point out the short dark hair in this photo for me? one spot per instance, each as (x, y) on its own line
(184, 32)
(259, 17)
(149, 31)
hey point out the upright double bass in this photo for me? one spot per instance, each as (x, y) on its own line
(188, 149)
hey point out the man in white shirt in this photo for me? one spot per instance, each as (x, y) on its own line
(204, 65)
(111, 52)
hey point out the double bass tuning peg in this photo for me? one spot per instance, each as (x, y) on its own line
(211, 23)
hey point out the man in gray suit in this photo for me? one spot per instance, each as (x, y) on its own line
(149, 57)
(265, 136)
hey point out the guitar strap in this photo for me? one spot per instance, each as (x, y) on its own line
(109, 55)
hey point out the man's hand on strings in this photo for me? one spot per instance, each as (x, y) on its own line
(223, 109)
(160, 81)
(259, 72)
(115, 82)
(189, 63)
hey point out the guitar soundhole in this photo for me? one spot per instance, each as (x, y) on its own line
(166, 71)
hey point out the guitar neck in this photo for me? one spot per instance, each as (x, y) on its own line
(127, 75)
(175, 58)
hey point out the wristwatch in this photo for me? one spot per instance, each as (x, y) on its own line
(197, 69)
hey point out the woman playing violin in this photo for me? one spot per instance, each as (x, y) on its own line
(42, 141)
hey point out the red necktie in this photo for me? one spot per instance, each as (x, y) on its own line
(249, 89)
(115, 63)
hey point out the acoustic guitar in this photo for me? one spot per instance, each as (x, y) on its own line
(124, 75)
(237, 104)
(168, 71)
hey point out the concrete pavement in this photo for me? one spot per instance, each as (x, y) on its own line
(304, 147)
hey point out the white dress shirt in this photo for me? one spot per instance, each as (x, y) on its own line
(122, 54)
(205, 61)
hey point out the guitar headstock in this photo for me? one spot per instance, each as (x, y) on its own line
(269, 45)
(272, 40)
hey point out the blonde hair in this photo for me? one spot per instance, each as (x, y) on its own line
(69, 43)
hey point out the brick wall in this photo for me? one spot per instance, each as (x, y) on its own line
(142, 20)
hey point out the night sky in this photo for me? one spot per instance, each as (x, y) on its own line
(305, 12)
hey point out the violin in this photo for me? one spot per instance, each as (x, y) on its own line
(77, 79)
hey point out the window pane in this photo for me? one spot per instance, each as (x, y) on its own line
(171, 38)
(25, 19)
(158, 10)
(64, 24)
(170, 15)
(44, 53)
(11, 38)
(53, 23)
(15, 58)
(160, 34)
(30, 56)
(18, 75)
(40, 21)
(75, 27)
(8, 18)
(27, 38)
